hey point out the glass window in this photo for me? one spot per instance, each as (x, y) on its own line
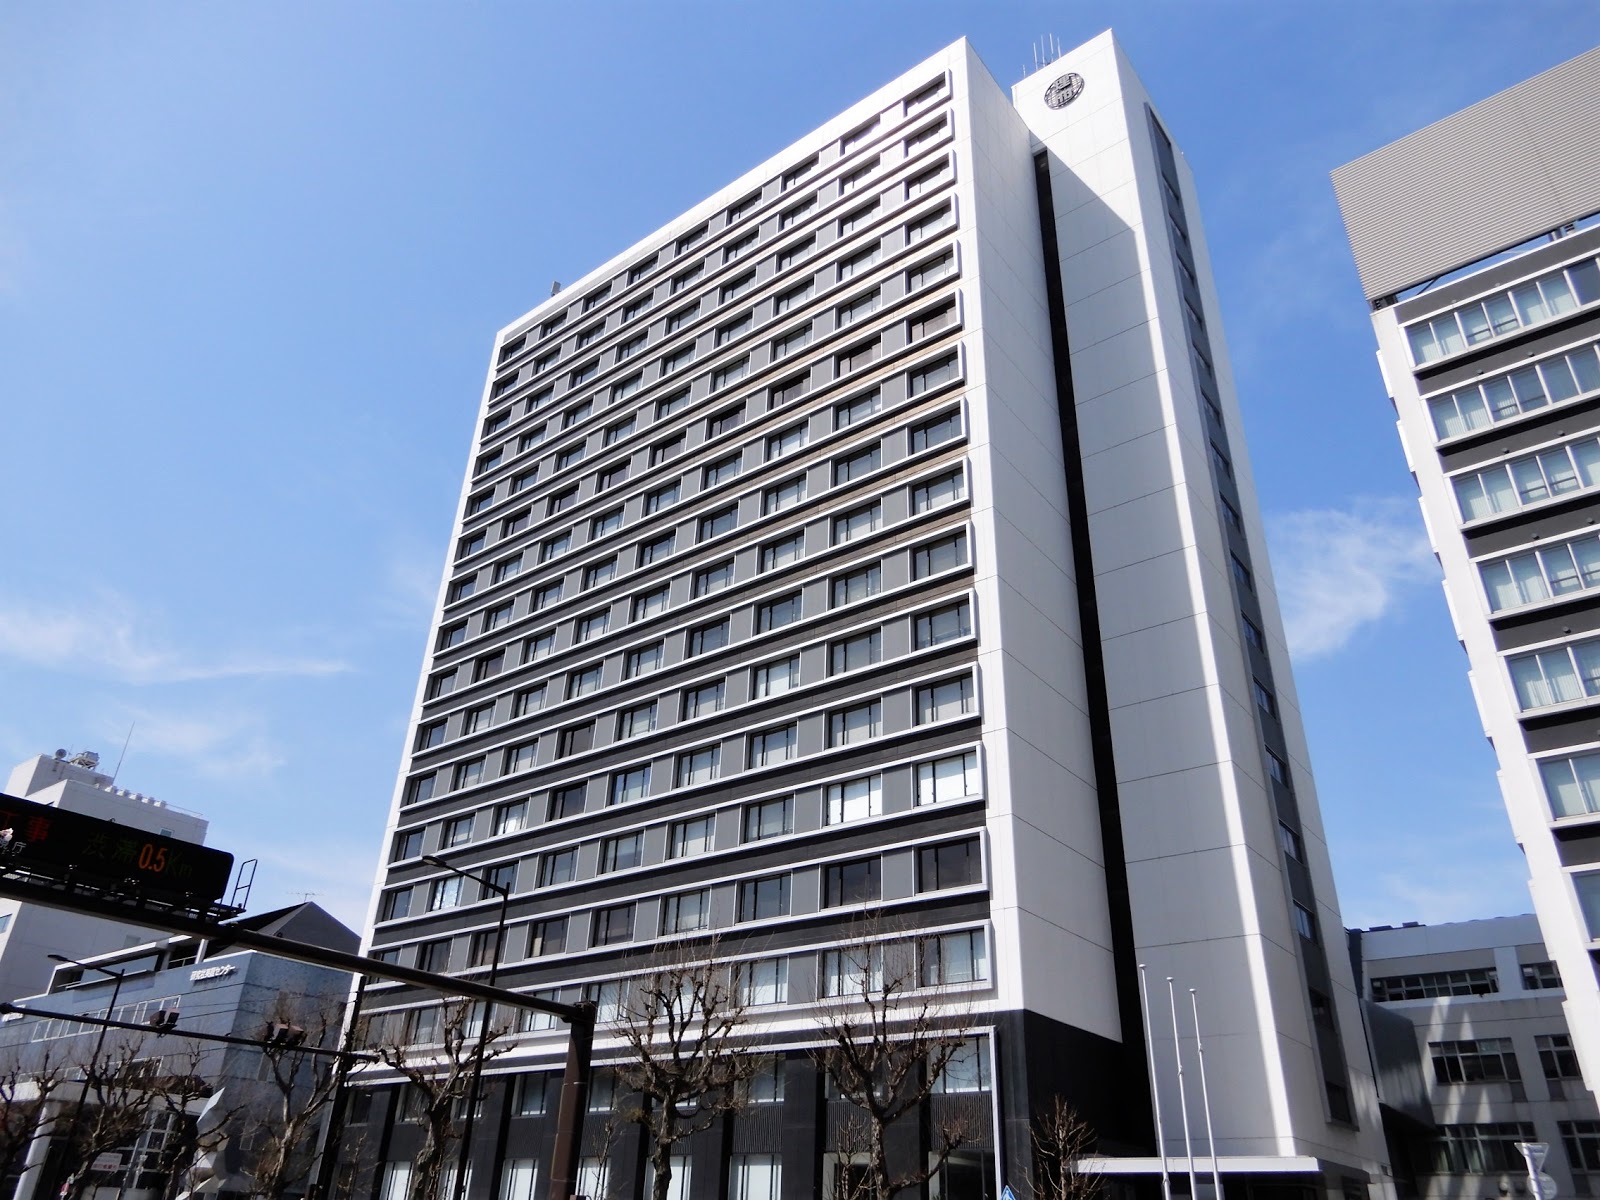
(622, 853)
(528, 700)
(699, 766)
(954, 777)
(686, 912)
(773, 746)
(857, 523)
(644, 659)
(656, 549)
(768, 819)
(764, 899)
(708, 638)
(703, 700)
(783, 552)
(858, 356)
(765, 981)
(636, 721)
(945, 700)
(719, 523)
(855, 652)
(1587, 886)
(943, 624)
(775, 678)
(591, 625)
(858, 307)
(854, 799)
(857, 409)
(469, 773)
(931, 271)
(949, 865)
(856, 724)
(860, 584)
(629, 786)
(967, 1068)
(860, 463)
(775, 614)
(786, 494)
(939, 492)
(584, 682)
(613, 925)
(793, 298)
(650, 604)
(660, 498)
(944, 554)
(522, 757)
(854, 882)
(567, 802)
(787, 441)
(690, 837)
(444, 893)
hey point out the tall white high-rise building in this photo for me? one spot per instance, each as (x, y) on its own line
(871, 554)
(1478, 250)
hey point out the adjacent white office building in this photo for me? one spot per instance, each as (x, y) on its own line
(1478, 251)
(872, 553)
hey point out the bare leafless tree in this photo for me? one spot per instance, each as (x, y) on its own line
(438, 1069)
(24, 1093)
(1061, 1141)
(121, 1096)
(681, 1023)
(889, 1041)
(302, 1088)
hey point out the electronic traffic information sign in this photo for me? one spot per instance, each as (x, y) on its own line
(74, 849)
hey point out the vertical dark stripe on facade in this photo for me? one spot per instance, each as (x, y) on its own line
(1132, 1085)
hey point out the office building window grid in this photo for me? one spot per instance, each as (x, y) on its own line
(674, 372)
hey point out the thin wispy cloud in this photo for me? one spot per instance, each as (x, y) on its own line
(1340, 570)
(105, 637)
(220, 745)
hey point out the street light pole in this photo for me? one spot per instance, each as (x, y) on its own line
(460, 1189)
(99, 1042)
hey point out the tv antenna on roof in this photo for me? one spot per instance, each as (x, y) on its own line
(1045, 51)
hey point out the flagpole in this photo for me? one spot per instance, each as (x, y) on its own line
(1155, 1088)
(1183, 1098)
(1205, 1098)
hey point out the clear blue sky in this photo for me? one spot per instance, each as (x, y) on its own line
(252, 257)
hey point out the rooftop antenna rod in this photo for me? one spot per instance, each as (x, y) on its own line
(117, 770)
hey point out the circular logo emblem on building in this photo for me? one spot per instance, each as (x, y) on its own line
(1064, 90)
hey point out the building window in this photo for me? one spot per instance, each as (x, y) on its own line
(651, 604)
(944, 554)
(775, 614)
(729, 330)
(1305, 922)
(420, 788)
(929, 272)
(953, 958)
(395, 904)
(967, 1068)
(468, 774)
(1530, 479)
(775, 678)
(630, 786)
(855, 466)
(1537, 976)
(735, 288)
(783, 552)
(692, 238)
(774, 746)
(946, 700)
(764, 899)
(920, 228)
(740, 246)
(954, 777)
(622, 853)
(787, 441)
(657, 549)
(765, 981)
(860, 584)
(852, 971)
(567, 802)
(511, 818)
(1278, 769)
(1531, 303)
(783, 495)
(855, 652)
(407, 844)
(430, 735)
(718, 523)
(793, 298)
(856, 178)
(856, 357)
(434, 956)
(1587, 887)
(644, 660)
(584, 682)
(691, 837)
(558, 866)
(939, 492)
(462, 588)
(857, 523)
(591, 626)
(798, 172)
(522, 757)
(699, 766)
(577, 739)
(549, 548)
(1556, 1057)
(1487, 1149)
(854, 800)
(1502, 397)
(444, 893)
(1253, 634)
(1559, 569)
(563, 500)
(768, 819)
(1290, 843)
(1581, 1141)
(707, 638)
(949, 865)
(662, 497)
(687, 912)
(703, 700)
(1473, 981)
(636, 721)
(600, 573)
(613, 925)
(924, 182)
(661, 452)
(441, 683)
(853, 882)
(944, 624)
(540, 645)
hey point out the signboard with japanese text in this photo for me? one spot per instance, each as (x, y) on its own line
(72, 847)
